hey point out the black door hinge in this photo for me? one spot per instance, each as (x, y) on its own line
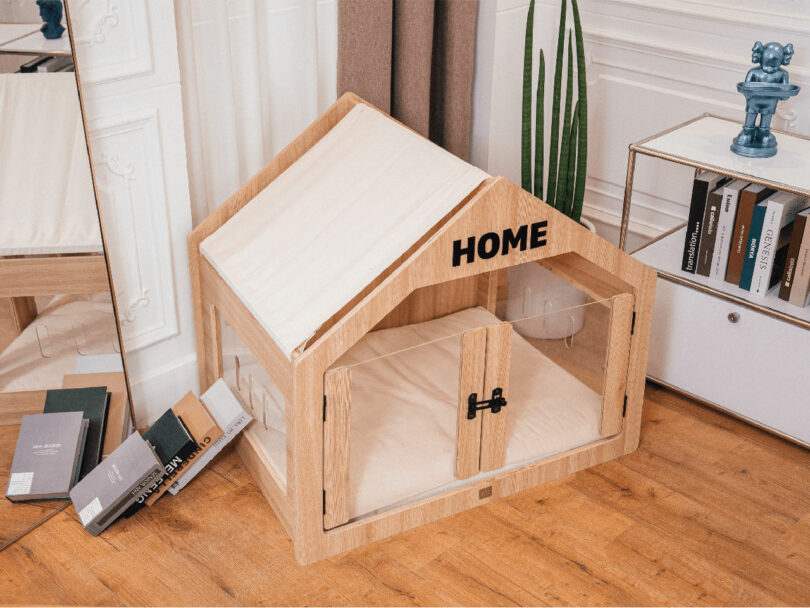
(324, 502)
(495, 403)
(324, 408)
(633, 324)
(624, 407)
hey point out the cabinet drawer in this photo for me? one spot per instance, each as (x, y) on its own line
(758, 366)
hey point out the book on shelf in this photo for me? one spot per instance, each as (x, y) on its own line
(777, 224)
(702, 185)
(48, 456)
(231, 418)
(173, 444)
(116, 483)
(752, 247)
(725, 228)
(801, 281)
(749, 197)
(93, 402)
(202, 427)
(708, 233)
(118, 413)
(796, 237)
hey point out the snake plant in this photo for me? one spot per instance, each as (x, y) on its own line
(568, 140)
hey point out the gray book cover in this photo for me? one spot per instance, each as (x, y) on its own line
(116, 483)
(47, 456)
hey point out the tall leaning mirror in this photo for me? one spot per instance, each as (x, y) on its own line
(58, 326)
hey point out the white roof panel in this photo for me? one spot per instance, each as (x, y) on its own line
(334, 220)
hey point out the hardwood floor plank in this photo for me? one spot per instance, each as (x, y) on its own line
(708, 511)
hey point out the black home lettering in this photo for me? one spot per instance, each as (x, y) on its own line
(490, 244)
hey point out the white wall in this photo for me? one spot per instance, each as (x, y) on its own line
(255, 73)
(651, 64)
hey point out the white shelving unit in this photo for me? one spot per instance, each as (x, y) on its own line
(725, 346)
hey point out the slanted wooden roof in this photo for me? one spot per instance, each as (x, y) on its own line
(335, 220)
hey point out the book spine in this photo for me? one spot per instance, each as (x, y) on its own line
(768, 243)
(801, 283)
(231, 431)
(697, 207)
(725, 227)
(752, 247)
(791, 262)
(709, 233)
(739, 238)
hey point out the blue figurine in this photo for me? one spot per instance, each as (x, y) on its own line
(763, 88)
(51, 13)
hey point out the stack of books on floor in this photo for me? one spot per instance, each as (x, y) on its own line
(750, 236)
(77, 449)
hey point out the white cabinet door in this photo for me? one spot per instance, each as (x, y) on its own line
(126, 55)
(755, 366)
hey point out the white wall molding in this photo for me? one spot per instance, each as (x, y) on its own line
(131, 189)
(650, 66)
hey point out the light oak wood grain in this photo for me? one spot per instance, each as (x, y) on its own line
(618, 355)
(470, 380)
(337, 391)
(493, 426)
(53, 275)
(420, 285)
(708, 511)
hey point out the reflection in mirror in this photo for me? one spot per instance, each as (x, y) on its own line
(57, 319)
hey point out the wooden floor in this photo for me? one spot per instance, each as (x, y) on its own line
(707, 511)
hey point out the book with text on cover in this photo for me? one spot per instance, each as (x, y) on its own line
(801, 282)
(791, 262)
(48, 456)
(725, 227)
(231, 418)
(749, 197)
(204, 430)
(776, 228)
(110, 488)
(752, 246)
(702, 185)
(708, 236)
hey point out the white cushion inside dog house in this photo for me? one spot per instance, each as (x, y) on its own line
(334, 220)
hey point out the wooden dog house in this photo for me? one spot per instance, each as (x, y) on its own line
(355, 295)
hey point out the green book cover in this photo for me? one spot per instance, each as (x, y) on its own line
(752, 247)
(93, 403)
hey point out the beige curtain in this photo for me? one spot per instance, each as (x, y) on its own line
(413, 59)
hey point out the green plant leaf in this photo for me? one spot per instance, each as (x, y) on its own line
(539, 123)
(562, 202)
(572, 157)
(526, 110)
(555, 109)
(582, 117)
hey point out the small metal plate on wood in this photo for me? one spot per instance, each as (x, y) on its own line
(484, 492)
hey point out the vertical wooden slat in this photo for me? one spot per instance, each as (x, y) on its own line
(618, 356)
(215, 324)
(470, 380)
(337, 388)
(488, 290)
(493, 426)
(15, 315)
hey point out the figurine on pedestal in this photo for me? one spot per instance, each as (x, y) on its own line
(763, 88)
(51, 13)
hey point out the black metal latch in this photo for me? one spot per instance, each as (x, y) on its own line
(495, 404)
